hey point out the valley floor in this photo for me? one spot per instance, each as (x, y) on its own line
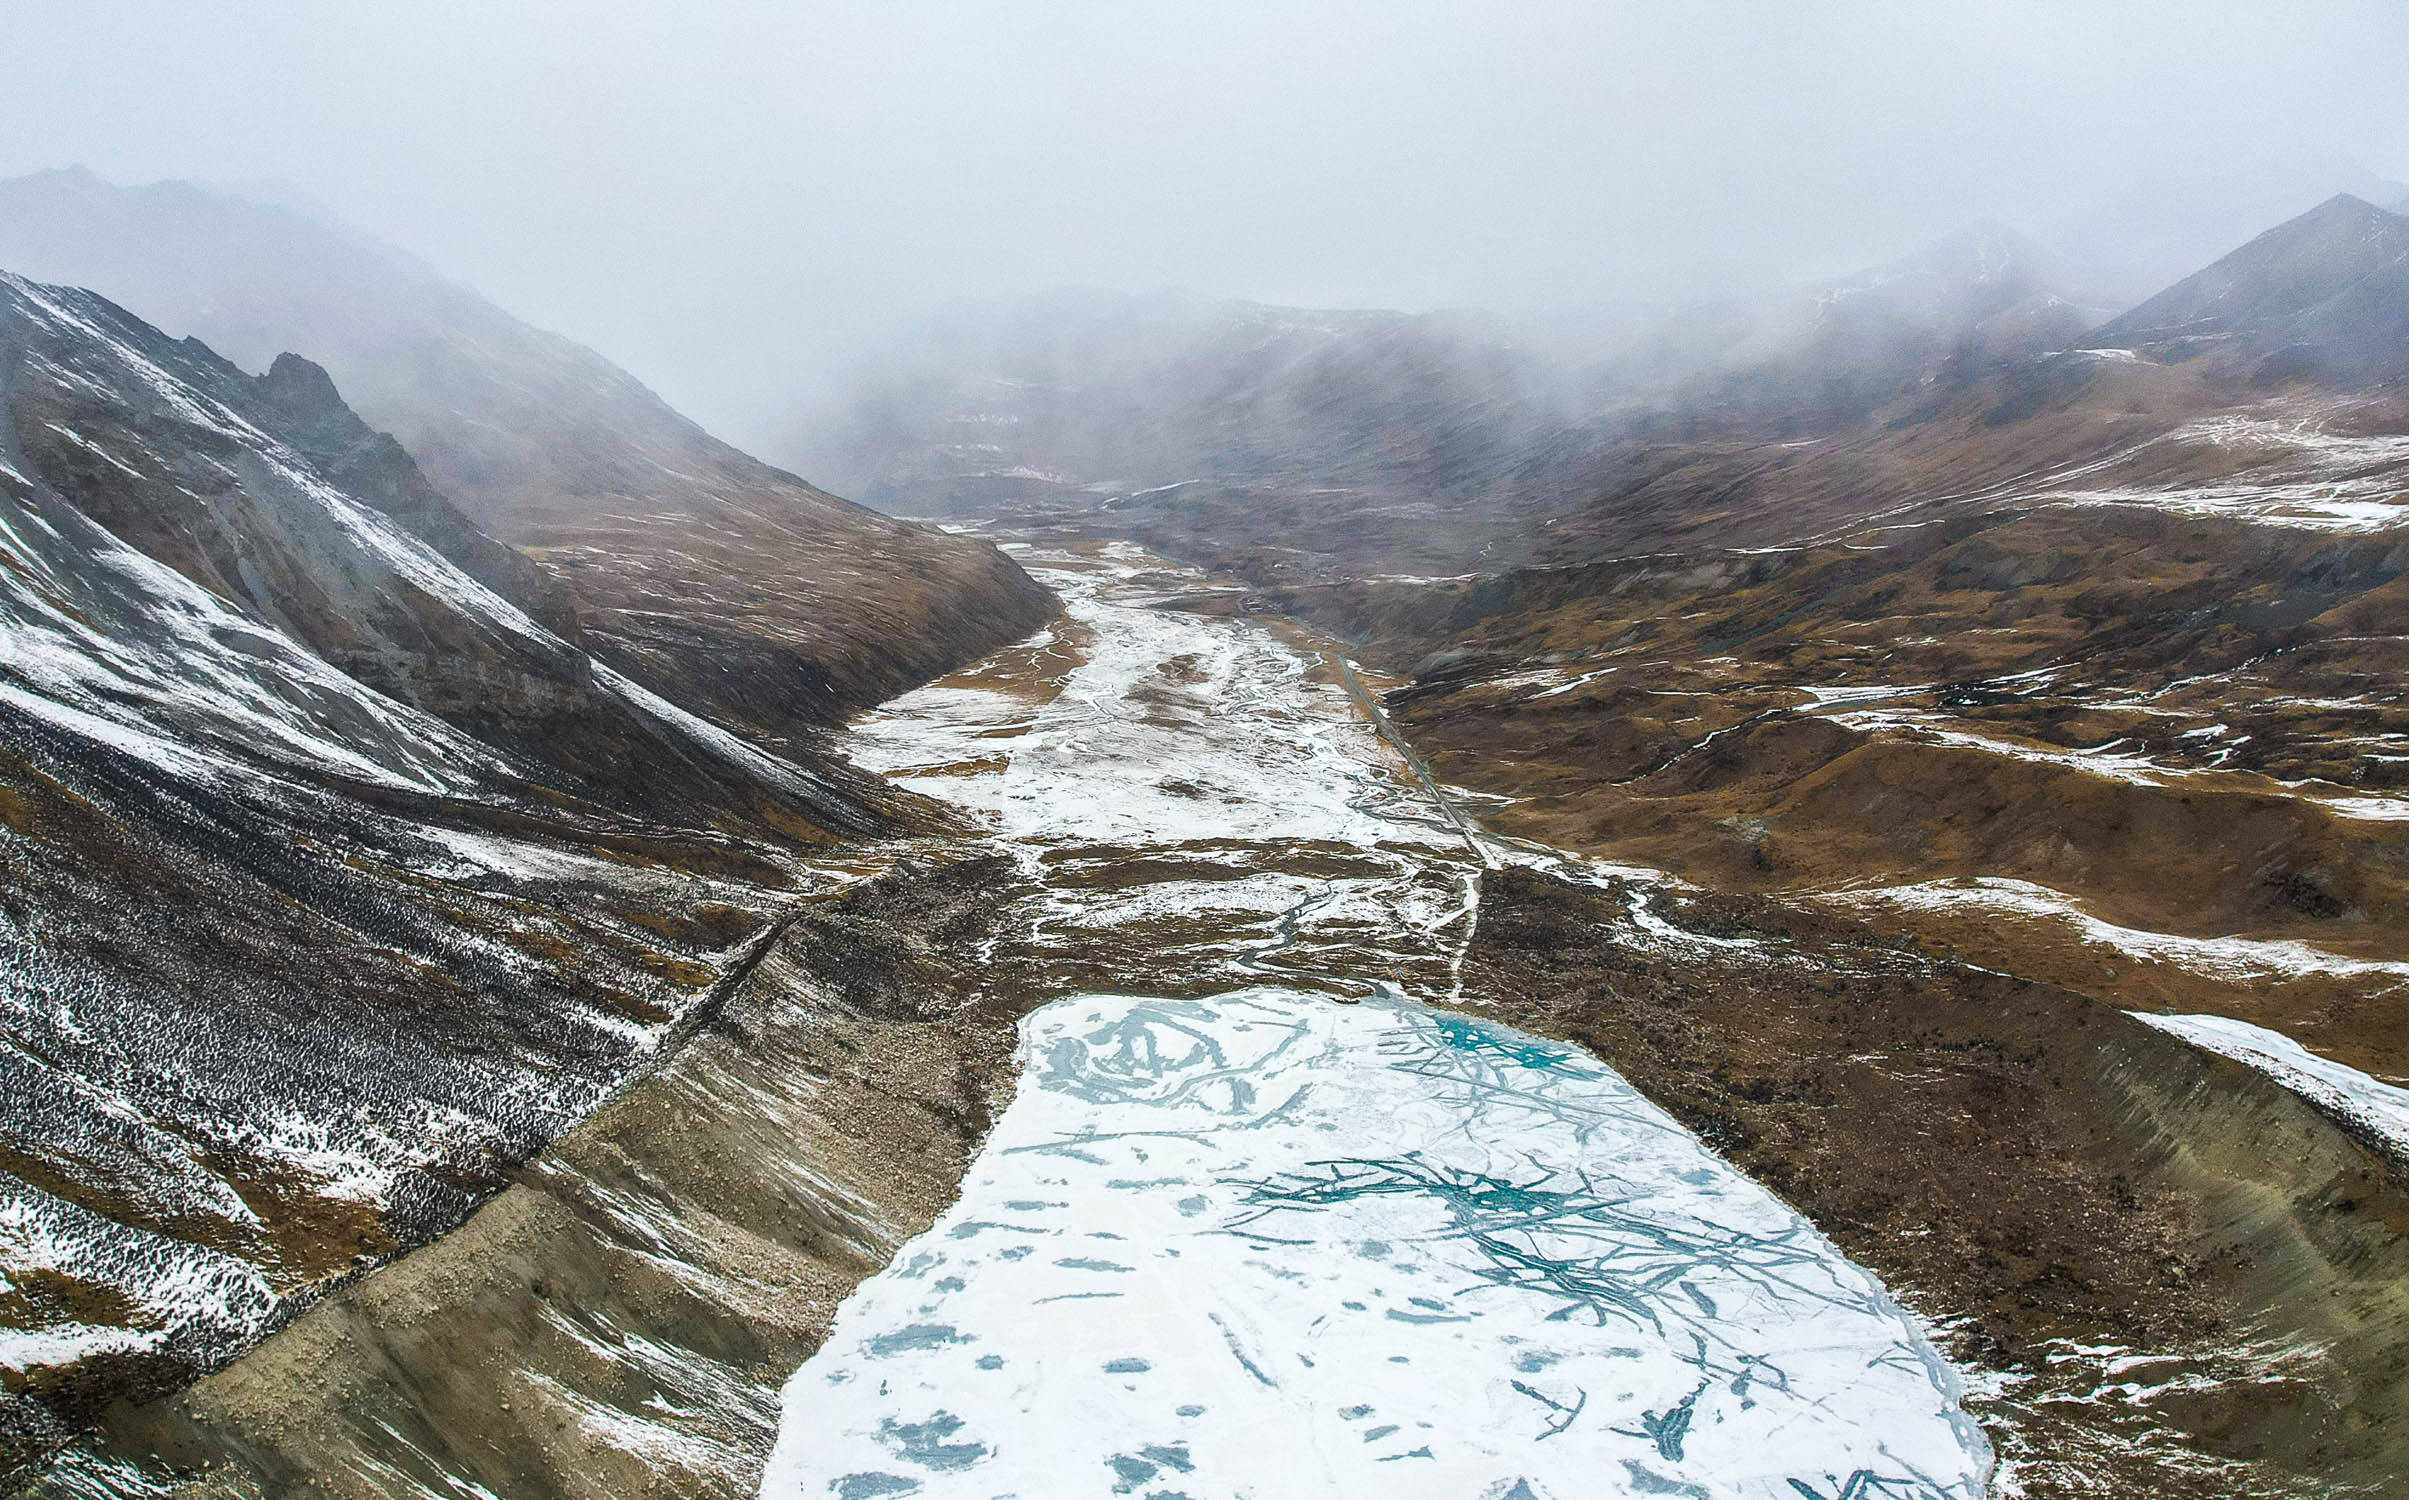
(1273, 1224)
(1276, 1174)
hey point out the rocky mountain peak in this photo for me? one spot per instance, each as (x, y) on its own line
(2331, 283)
(791, 608)
(301, 385)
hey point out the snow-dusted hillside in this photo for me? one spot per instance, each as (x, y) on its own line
(331, 881)
(696, 568)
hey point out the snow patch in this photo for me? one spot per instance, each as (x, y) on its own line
(2376, 1107)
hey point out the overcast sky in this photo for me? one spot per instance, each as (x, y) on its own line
(730, 197)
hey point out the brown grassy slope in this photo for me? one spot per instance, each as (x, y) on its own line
(2046, 1177)
(1657, 709)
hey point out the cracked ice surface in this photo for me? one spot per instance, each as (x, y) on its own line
(1261, 1245)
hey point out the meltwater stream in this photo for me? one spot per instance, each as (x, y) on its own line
(1242, 1239)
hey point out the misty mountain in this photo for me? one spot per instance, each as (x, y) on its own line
(1410, 753)
(1831, 351)
(749, 593)
(332, 881)
(1383, 438)
(1283, 439)
(2263, 386)
(2326, 293)
(1284, 442)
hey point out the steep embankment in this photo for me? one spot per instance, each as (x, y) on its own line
(738, 590)
(335, 884)
(2162, 755)
(617, 1320)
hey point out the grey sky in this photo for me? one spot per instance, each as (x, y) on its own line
(730, 198)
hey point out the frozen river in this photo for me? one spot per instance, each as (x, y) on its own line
(1285, 1224)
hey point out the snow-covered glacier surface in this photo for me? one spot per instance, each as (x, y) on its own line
(1265, 1245)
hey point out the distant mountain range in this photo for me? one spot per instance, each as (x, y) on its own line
(1289, 439)
(1165, 408)
(1293, 443)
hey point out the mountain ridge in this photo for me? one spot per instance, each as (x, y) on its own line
(745, 592)
(2329, 288)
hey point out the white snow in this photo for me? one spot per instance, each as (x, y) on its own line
(358, 1159)
(1561, 688)
(1835, 697)
(172, 1286)
(177, 668)
(2288, 471)
(2236, 958)
(1254, 748)
(24, 1349)
(1649, 921)
(2120, 764)
(2375, 1106)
